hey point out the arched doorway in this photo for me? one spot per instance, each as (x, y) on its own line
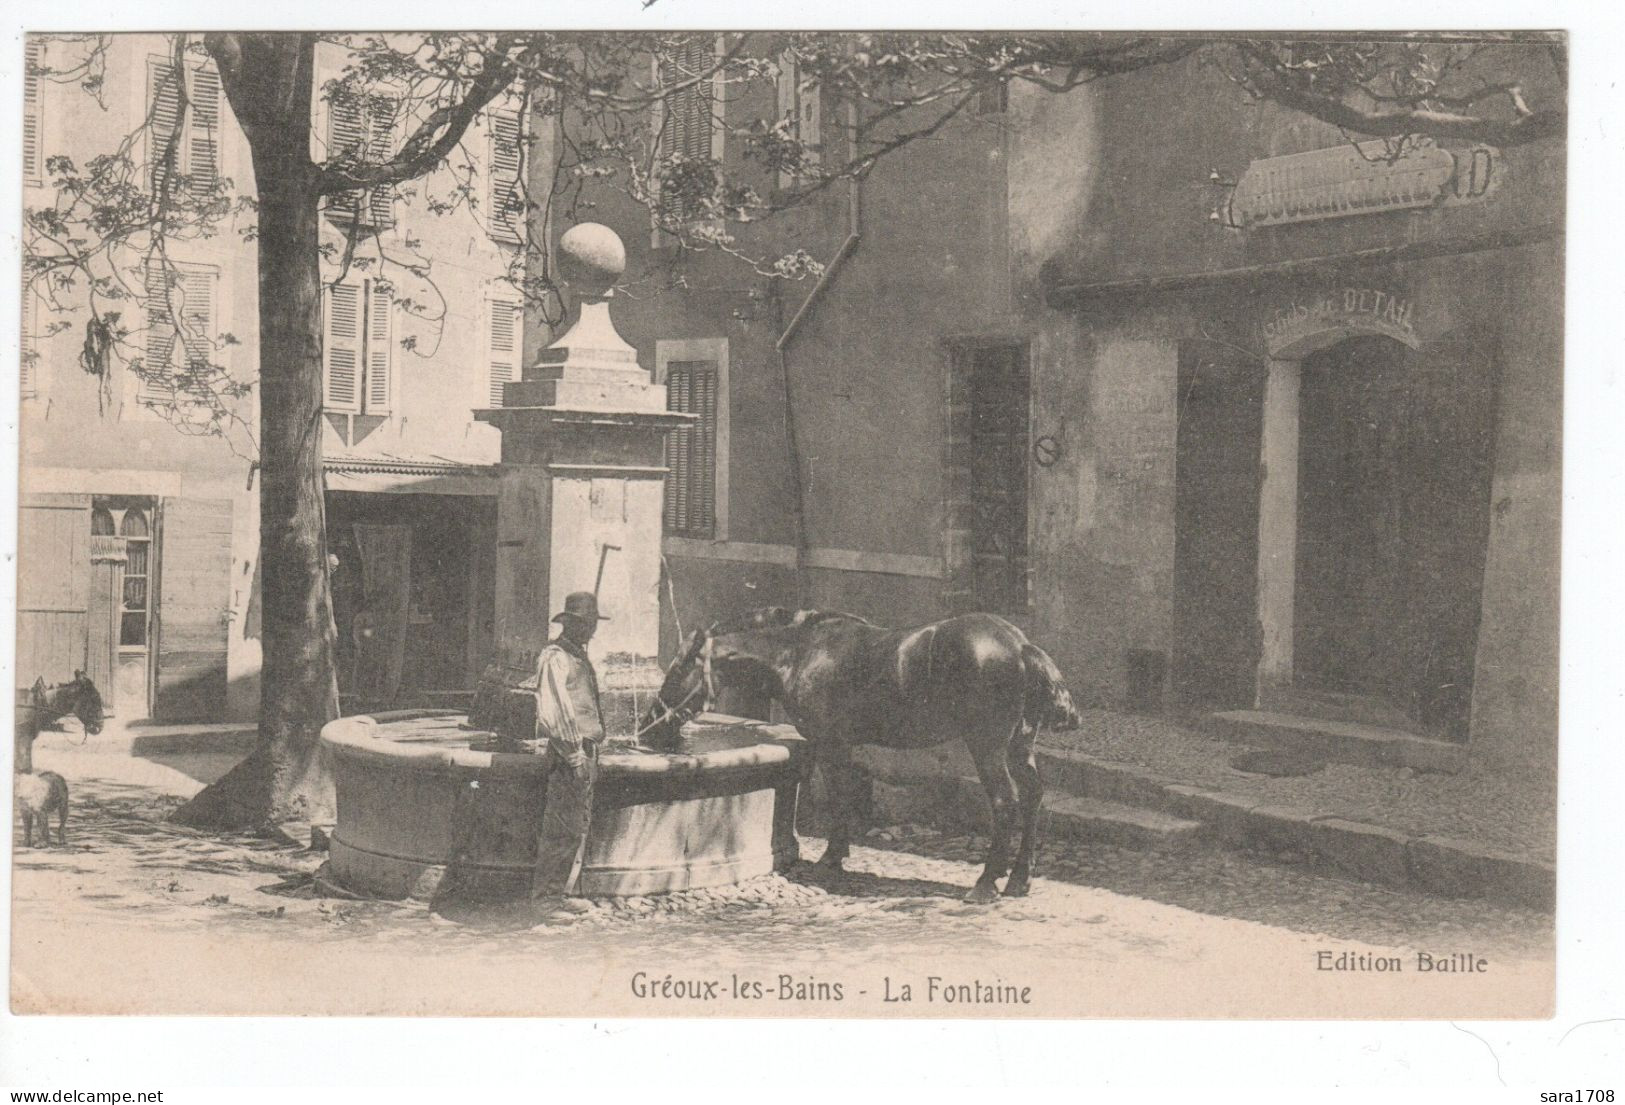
(1395, 449)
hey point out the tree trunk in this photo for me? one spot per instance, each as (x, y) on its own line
(286, 776)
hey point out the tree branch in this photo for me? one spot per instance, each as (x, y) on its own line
(432, 140)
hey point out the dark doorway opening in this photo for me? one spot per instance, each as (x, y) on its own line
(990, 405)
(1221, 395)
(413, 595)
(1395, 451)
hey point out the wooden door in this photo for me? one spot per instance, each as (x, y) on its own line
(53, 587)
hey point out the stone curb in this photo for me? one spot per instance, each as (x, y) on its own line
(1436, 864)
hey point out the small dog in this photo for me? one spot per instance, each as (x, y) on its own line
(37, 796)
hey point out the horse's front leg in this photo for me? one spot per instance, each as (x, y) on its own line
(841, 784)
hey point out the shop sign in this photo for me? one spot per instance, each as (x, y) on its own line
(1358, 179)
(1354, 310)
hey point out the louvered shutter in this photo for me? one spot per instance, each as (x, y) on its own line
(162, 309)
(346, 136)
(341, 349)
(677, 452)
(165, 153)
(197, 314)
(691, 387)
(30, 352)
(703, 507)
(380, 346)
(688, 123)
(203, 131)
(504, 341)
(31, 112)
(504, 201)
(697, 139)
(380, 147)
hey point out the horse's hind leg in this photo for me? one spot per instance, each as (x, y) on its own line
(61, 823)
(1001, 796)
(1030, 794)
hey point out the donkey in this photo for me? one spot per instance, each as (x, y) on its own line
(42, 706)
(845, 681)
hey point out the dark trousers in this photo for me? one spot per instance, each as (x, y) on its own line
(566, 816)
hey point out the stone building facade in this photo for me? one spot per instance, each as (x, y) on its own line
(1225, 411)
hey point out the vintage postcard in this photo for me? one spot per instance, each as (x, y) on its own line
(789, 524)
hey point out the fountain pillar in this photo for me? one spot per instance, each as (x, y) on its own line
(581, 489)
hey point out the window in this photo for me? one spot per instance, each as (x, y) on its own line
(505, 196)
(32, 136)
(504, 344)
(183, 126)
(801, 104)
(358, 353)
(696, 377)
(136, 529)
(687, 131)
(362, 128)
(179, 304)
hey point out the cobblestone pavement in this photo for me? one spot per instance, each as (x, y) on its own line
(128, 878)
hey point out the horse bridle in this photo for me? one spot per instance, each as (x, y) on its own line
(54, 714)
(682, 711)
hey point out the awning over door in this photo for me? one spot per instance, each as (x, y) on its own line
(394, 475)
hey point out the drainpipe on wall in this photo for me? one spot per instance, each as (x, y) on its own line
(854, 234)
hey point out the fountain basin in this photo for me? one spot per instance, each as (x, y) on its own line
(422, 797)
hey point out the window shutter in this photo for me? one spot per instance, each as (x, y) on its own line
(164, 150)
(504, 335)
(341, 349)
(692, 387)
(203, 131)
(504, 201)
(31, 112)
(158, 369)
(30, 356)
(353, 134)
(677, 452)
(688, 121)
(197, 315)
(380, 147)
(380, 346)
(705, 475)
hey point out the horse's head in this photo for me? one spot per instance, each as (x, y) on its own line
(87, 703)
(686, 692)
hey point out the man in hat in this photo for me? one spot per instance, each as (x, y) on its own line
(570, 717)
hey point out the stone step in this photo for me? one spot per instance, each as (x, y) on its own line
(1098, 820)
(1344, 741)
(1333, 706)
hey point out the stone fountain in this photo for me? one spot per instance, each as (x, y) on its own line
(424, 793)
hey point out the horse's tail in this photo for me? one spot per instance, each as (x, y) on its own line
(1047, 703)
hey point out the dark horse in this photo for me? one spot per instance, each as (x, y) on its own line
(844, 681)
(42, 706)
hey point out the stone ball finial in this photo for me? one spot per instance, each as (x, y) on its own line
(591, 258)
